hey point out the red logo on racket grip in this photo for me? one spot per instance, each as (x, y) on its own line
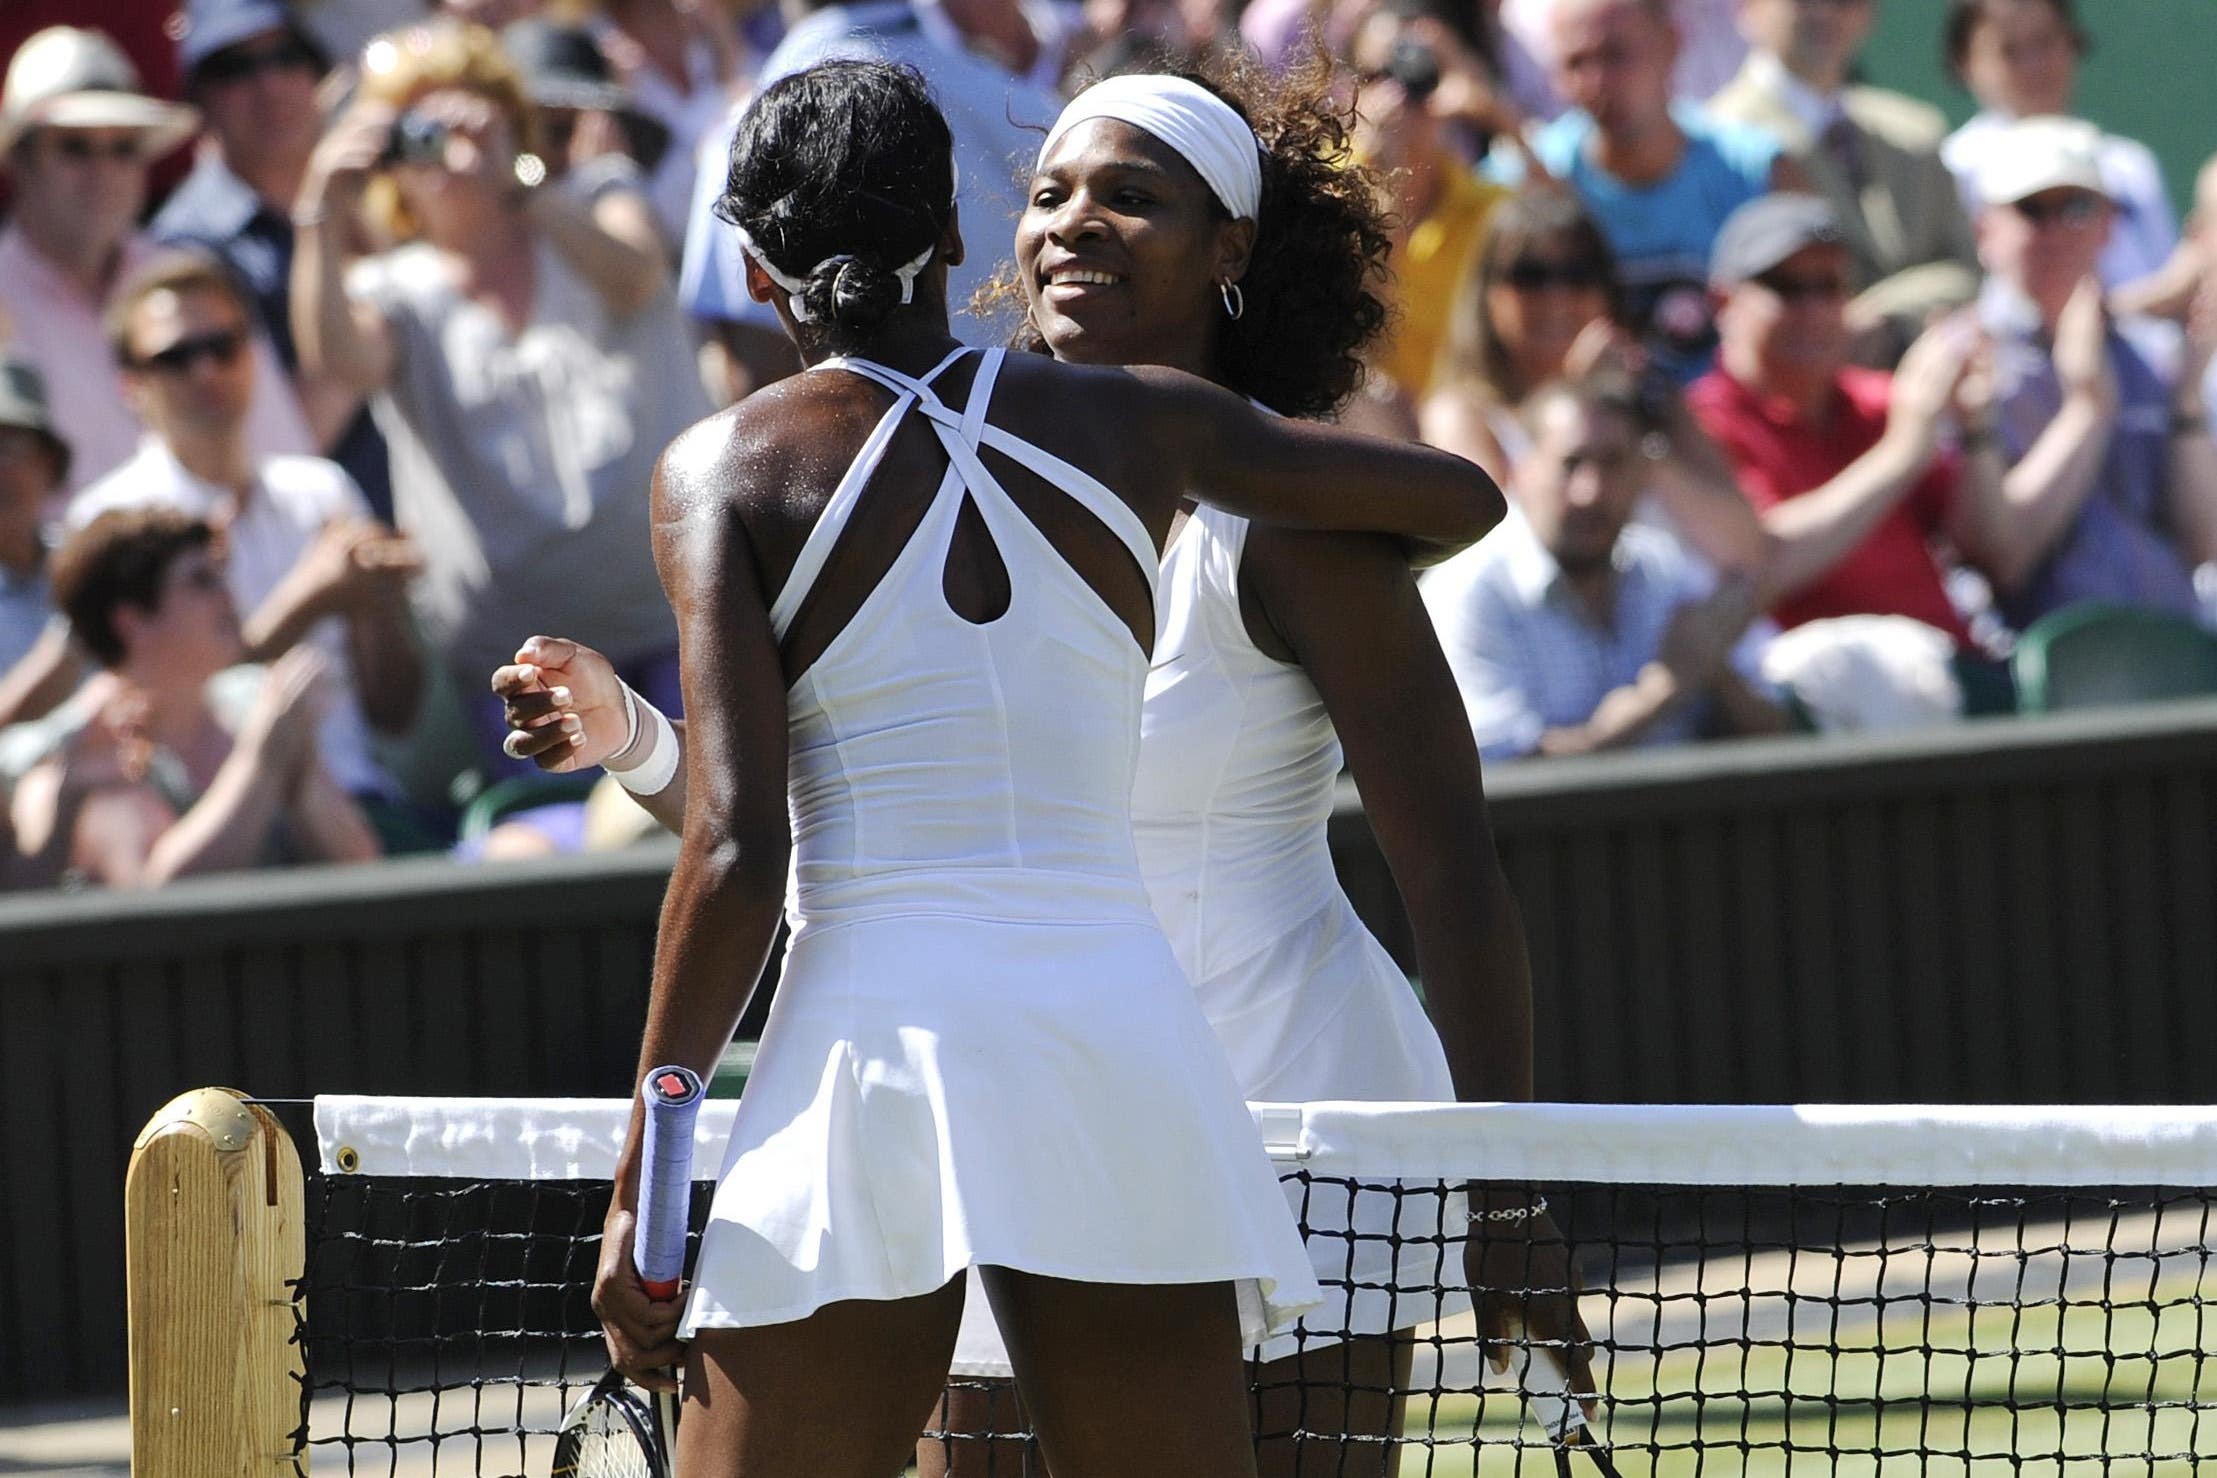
(670, 1085)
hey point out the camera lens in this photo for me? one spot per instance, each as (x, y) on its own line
(416, 140)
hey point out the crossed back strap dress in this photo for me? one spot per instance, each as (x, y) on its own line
(982, 1050)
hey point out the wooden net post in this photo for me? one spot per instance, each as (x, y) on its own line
(213, 1238)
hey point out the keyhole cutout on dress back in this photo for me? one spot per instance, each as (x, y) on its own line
(974, 579)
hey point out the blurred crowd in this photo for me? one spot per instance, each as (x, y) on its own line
(338, 339)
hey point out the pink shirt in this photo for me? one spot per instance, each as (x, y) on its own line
(56, 327)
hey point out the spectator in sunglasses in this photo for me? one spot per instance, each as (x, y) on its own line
(190, 768)
(253, 72)
(1861, 476)
(1540, 307)
(2020, 59)
(1875, 155)
(2111, 469)
(304, 559)
(77, 136)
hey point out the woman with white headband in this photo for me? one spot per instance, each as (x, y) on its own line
(914, 592)
(1253, 261)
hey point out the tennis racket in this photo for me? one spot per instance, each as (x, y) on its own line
(619, 1431)
(1545, 1381)
(673, 1096)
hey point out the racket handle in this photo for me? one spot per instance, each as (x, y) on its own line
(673, 1096)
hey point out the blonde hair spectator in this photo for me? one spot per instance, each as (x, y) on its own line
(399, 68)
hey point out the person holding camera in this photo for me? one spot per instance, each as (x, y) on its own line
(525, 349)
(1419, 86)
(1540, 304)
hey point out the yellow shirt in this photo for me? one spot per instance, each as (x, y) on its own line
(1430, 273)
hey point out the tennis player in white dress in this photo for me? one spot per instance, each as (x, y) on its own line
(982, 1053)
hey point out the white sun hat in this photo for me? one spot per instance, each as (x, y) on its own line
(69, 77)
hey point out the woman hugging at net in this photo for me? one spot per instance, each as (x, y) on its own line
(1216, 225)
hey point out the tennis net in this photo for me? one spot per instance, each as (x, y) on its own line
(1768, 1289)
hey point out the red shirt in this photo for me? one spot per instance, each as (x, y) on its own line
(1892, 572)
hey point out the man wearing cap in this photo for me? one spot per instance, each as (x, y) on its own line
(1846, 465)
(33, 463)
(253, 72)
(77, 136)
(2112, 476)
(1874, 154)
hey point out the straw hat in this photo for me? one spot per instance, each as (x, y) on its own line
(68, 77)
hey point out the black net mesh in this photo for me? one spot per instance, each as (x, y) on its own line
(1809, 1330)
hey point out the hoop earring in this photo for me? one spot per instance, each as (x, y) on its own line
(1235, 301)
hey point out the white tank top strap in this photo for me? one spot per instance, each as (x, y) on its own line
(1082, 486)
(816, 550)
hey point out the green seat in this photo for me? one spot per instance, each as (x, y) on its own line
(2097, 654)
(504, 798)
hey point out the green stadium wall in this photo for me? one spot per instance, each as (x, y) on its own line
(2152, 75)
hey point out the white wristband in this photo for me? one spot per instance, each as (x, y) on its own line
(653, 773)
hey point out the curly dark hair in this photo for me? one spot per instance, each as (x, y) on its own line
(1315, 286)
(840, 174)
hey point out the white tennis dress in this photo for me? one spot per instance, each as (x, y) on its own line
(982, 1050)
(1237, 763)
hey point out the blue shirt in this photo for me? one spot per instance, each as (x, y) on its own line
(215, 211)
(26, 610)
(997, 120)
(2120, 547)
(1662, 233)
(1527, 653)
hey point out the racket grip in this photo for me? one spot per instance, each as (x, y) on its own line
(673, 1097)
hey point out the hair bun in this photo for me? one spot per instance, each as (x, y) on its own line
(859, 294)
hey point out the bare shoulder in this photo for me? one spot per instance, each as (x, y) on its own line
(776, 455)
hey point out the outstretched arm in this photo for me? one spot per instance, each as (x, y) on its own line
(720, 914)
(1302, 474)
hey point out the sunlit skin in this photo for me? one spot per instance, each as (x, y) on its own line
(1105, 251)
(2021, 59)
(1816, 39)
(2048, 258)
(211, 395)
(1787, 330)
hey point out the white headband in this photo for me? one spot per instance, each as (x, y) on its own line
(1201, 126)
(794, 287)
